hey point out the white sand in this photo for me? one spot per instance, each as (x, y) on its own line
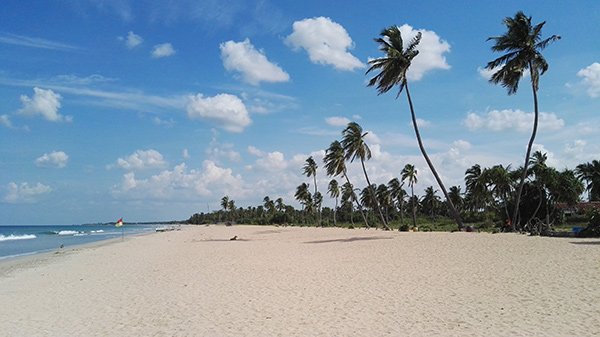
(308, 282)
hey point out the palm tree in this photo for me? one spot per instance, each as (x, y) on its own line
(398, 193)
(430, 201)
(477, 191)
(409, 173)
(304, 198)
(335, 164)
(231, 207)
(279, 205)
(523, 44)
(456, 196)
(353, 142)
(334, 191)
(393, 67)
(225, 203)
(310, 170)
(590, 173)
(384, 197)
(499, 179)
(347, 197)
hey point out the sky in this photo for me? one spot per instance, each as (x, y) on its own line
(155, 110)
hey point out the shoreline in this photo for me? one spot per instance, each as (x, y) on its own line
(306, 281)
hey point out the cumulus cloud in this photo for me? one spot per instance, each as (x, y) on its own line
(45, 103)
(325, 41)
(268, 161)
(56, 159)
(132, 40)
(216, 151)
(162, 50)
(591, 79)
(182, 183)
(422, 123)
(431, 52)
(142, 159)
(251, 63)
(24, 192)
(337, 121)
(226, 111)
(500, 120)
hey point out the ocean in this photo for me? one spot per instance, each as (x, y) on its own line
(26, 240)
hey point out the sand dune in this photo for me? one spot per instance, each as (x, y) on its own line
(276, 281)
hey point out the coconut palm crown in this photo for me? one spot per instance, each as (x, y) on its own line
(394, 65)
(523, 44)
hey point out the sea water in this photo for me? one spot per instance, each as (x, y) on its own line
(25, 240)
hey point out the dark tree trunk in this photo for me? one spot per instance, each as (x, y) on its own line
(453, 212)
(529, 146)
(375, 201)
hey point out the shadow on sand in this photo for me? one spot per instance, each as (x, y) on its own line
(364, 238)
(585, 242)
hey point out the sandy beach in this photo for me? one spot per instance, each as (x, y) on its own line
(284, 281)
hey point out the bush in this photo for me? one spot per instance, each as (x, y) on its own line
(593, 228)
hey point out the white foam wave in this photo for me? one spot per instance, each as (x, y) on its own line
(98, 231)
(68, 232)
(17, 237)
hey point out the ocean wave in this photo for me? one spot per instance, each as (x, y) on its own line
(98, 231)
(68, 232)
(17, 237)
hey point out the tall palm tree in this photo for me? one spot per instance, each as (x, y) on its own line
(590, 173)
(353, 142)
(384, 197)
(310, 170)
(393, 67)
(409, 173)
(334, 191)
(523, 44)
(499, 179)
(335, 164)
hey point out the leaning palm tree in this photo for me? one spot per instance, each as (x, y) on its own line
(523, 44)
(310, 170)
(335, 164)
(304, 198)
(393, 68)
(409, 173)
(353, 142)
(334, 191)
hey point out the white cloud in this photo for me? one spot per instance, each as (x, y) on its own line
(422, 123)
(25, 193)
(431, 52)
(591, 79)
(500, 120)
(5, 120)
(163, 50)
(253, 65)
(142, 159)
(132, 40)
(550, 157)
(56, 159)
(182, 183)
(34, 42)
(325, 41)
(45, 103)
(461, 144)
(185, 154)
(337, 121)
(227, 111)
(268, 161)
(216, 151)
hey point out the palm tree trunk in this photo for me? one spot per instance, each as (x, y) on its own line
(335, 212)
(401, 211)
(357, 203)
(453, 210)
(318, 209)
(375, 201)
(414, 207)
(529, 146)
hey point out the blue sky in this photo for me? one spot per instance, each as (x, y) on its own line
(154, 110)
